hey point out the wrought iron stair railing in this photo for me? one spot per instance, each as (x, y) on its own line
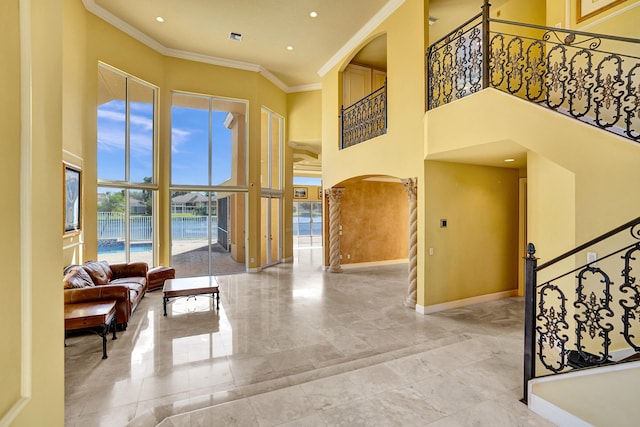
(585, 316)
(593, 78)
(365, 119)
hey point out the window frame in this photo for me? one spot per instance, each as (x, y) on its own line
(127, 184)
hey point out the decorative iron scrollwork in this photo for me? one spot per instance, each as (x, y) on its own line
(365, 119)
(591, 313)
(550, 326)
(455, 66)
(631, 304)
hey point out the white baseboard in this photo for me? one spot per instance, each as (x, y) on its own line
(374, 263)
(254, 270)
(465, 302)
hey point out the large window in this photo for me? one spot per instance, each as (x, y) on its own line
(208, 184)
(126, 163)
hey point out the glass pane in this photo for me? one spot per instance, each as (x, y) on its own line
(264, 230)
(189, 140)
(111, 225)
(111, 125)
(141, 226)
(221, 153)
(190, 233)
(316, 217)
(141, 102)
(296, 213)
(276, 140)
(274, 236)
(264, 150)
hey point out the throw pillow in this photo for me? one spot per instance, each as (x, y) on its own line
(100, 272)
(76, 277)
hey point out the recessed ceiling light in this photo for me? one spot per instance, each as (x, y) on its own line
(313, 14)
(159, 19)
(289, 47)
(509, 160)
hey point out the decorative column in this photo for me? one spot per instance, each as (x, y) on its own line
(411, 185)
(335, 194)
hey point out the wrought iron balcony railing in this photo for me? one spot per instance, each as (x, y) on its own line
(365, 119)
(586, 316)
(591, 77)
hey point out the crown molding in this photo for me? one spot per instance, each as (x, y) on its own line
(305, 88)
(362, 33)
(106, 16)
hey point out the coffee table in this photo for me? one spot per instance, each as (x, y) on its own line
(92, 315)
(189, 287)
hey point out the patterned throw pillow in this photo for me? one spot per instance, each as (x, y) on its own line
(99, 271)
(76, 277)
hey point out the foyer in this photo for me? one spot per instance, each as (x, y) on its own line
(295, 345)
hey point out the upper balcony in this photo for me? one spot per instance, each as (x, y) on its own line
(593, 78)
(363, 114)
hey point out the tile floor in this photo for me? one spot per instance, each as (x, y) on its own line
(294, 345)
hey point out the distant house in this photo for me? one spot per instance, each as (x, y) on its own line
(192, 203)
(136, 207)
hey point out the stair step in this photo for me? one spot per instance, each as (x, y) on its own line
(157, 415)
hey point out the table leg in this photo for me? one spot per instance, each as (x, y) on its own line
(164, 303)
(113, 326)
(218, 300)
(105, 331)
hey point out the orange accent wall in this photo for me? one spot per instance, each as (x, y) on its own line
(375, 222)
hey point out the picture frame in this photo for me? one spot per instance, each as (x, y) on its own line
(72, 199)
(299, 192)
(586, 9)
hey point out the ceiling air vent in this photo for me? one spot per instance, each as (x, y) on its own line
(235, 37)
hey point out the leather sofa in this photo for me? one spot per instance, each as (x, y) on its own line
(126, 283)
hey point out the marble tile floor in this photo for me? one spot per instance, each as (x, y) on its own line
(295, 345)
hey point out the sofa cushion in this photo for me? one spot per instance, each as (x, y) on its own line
(138, 282)
(99, 271)
(76, 277)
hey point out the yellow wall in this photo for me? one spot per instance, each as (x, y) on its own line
(374, 216)
(399, 152)
(32, 351)
(477, 252)
(304, 116)
(74, 111)
(601, 200)
(10, 258)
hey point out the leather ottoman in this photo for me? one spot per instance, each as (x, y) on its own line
(157, 275)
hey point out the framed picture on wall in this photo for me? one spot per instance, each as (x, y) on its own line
(299, 192)
(589, 8)
(72, 184)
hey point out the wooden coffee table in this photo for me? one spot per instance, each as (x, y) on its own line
(93, 316)
(188, 287)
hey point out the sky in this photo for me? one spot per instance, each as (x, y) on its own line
(189, 145)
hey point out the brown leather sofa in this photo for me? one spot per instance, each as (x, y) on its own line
(126, 283)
